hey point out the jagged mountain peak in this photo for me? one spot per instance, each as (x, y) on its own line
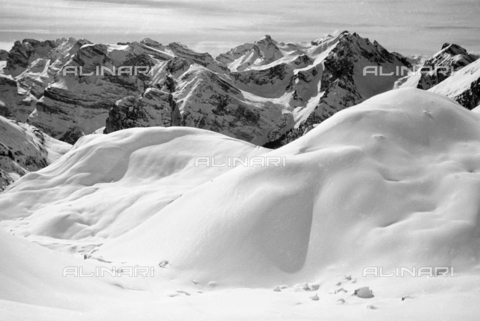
(152, 43)
(234, 53)
(25, 51)
(440, 66)
(318, 41)
(453, 49)
(266, 86)
(202, 59)
(267, 39)
(451, 54)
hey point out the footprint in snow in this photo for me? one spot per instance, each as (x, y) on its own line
(163, 264)
(340, 290)
(183, 292)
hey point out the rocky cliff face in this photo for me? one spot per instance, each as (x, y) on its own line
(463, 86)
(452, 72)
(155, 107)
(260, 92)
(339, 77)
(437, 68)
(12, 102)
(24, 148)
(443, 64)
(79, 99)
(3, 55)
(25, 52)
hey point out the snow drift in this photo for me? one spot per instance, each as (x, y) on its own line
(391, 182)
(108, 184)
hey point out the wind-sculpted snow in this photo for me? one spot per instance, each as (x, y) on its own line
(142, 171)
(396, 176)
(392, 182)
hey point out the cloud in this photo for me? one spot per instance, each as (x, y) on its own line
(213, 24)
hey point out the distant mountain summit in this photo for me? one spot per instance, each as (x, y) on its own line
(452, 72)
(266, 92)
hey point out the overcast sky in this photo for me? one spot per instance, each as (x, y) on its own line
(406, 26)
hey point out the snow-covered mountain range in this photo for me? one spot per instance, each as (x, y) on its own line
(256, 92)
(267, 92)
(99, 151)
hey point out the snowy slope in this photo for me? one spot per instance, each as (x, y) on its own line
(444, 64)
(142, 171)
(391, 182)
(23, 148)
(31, 274)
(395, 176)
(463, 86)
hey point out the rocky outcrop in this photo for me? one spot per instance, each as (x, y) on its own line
(207, 101)
(3, 55)
(13, 102)
(78, 102)
(258, 92)
(23, 53)
(24, 148)
(153, 108)
(273, 89)
(42, 71)
(202, 59)
(233, 54)
(451, 72)
(343, 77)
(463, 86)
(260, 53)
(451, 58)
(437, 68)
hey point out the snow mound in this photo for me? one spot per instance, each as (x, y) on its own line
(108, 184)
(391, 182)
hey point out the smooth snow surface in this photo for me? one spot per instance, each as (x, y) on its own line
(392, 182)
